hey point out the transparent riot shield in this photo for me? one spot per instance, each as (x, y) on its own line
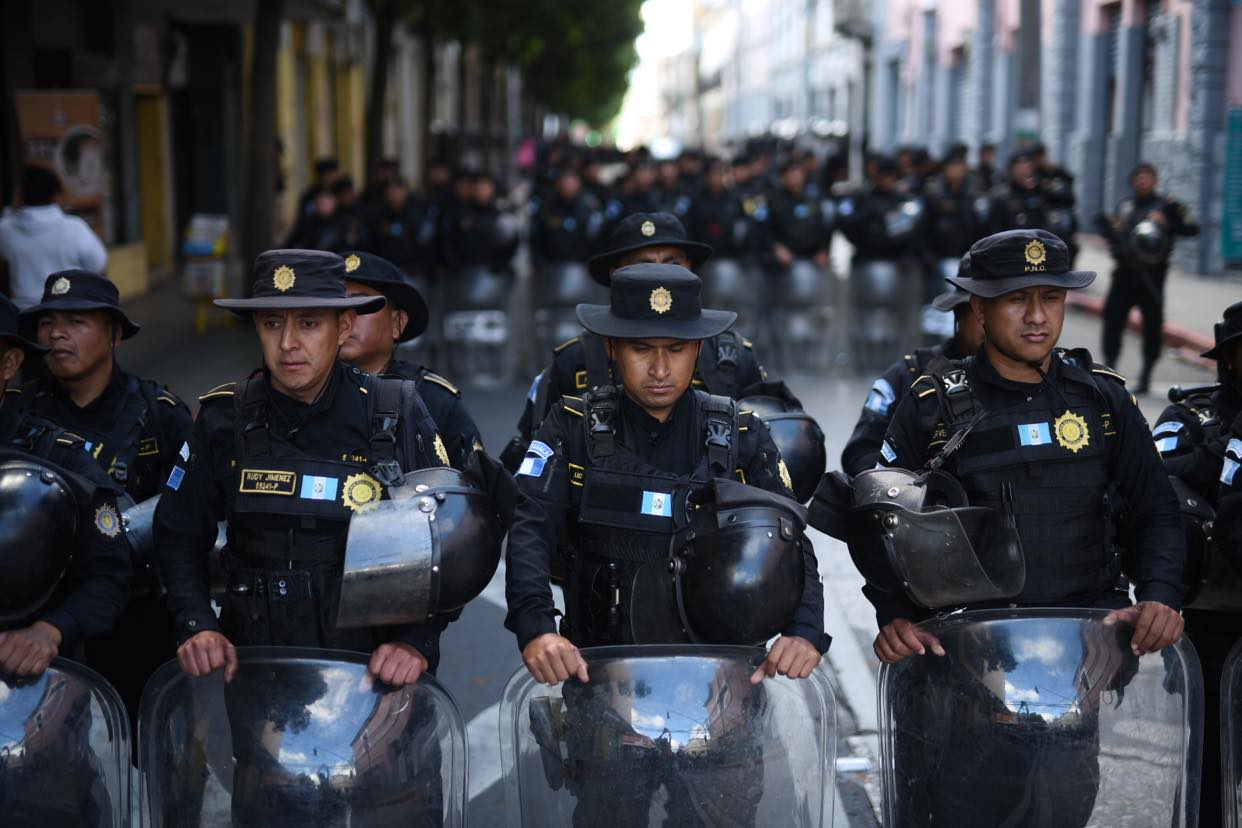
(64, 750)
(1231, 737)
(800, 304)
(476, 323)
(1040, 717)
(732, 284)
(299, 737)
(556, 289)
(669, 735)
(885, 296)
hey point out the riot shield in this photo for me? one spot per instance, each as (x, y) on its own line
(1231, 737)
(1040, 717)
(476, 323)
(800, 309)
(558, 288)
(729, 283)
(885, 296)
(669, 735)
(64, 750)
(299, 737)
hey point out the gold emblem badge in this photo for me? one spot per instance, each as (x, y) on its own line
(441, 451)
(60, 287)
(107, 521)
(1036, 253)
(283, 278)
(785, 478)
(361, 492)
(1071, 431)
(661, 300)
(648, 228)
(352, 263)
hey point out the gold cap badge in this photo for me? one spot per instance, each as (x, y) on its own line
(1036, 254)
(661, 300)
(60, 287)
(352, 262)
(107, 521)
(361, 492)
(1071, 431)
(648, 228)
(283, 278)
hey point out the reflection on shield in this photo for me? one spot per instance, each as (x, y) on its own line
(1231, 736)
(299, 737)
(1041, 717)
(64, 749)
(672, 735)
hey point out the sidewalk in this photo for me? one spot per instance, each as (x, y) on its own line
(1192, 303)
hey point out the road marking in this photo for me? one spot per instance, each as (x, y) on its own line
(483, 738)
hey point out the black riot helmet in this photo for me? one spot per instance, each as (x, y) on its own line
(1150, 243)
(796, 434)
(38, 522)
(739, 572)
(917, 534)
(430, 549)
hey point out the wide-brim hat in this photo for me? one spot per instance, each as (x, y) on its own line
(655, 301)
(77, 290)
(300, 280)
(951, 300)
(1017, 260)
(1227, 331)
(639, 230)
(10, 329)
(381, 274)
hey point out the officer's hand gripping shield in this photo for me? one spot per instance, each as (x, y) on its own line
(430, 549)
(64, 749)
(299, 737)
(38, 523)
(740, 572)
(673, 735)
(1040, 717)
(917, 535)
(796, 433)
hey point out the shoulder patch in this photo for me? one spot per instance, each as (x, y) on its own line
(564, 345)
(431, 376)
(225, 390)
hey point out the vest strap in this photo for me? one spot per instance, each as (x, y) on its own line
(595, 359)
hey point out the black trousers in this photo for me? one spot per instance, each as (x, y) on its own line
(1132, 288)
(1213, 634)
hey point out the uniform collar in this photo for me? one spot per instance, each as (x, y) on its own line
(985, 372)
(297, 408)
(116, 386)
(649, 424)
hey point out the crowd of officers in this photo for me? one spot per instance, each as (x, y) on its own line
(599, 480)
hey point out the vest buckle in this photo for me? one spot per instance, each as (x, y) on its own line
(388, 472)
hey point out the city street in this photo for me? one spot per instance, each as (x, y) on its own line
(480, 655)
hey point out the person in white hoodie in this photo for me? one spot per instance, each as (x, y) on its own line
(39, 238)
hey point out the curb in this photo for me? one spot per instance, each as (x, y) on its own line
(1187, 344)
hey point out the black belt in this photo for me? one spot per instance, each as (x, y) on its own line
(290, 585)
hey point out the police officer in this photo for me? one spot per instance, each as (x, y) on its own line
(1192, 435)
(874, 221)
(1140, 237)
(1019, 203)
(566, 225)
(1057, 185)
(402, 229)
(372, 343)
(477, 233)
(607, 468)
(862, 452)
(726, 364)
(287, 457)
(719, 216)
(953, 223)
(133, 428)
(63, 582)
(1048, 434)
(799, 225)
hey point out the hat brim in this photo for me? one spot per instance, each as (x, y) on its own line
(30, 316)
(404, 297)
(244, 307)
(601, 265)
(33, 349)
(950, 300)
(600, 320)
(991, 288)
(1217, 350)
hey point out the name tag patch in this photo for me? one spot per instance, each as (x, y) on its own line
(318, 488)
(175, 477)
(1034, 434)
(657, 504)
(263, 481)
(537, 455)
(1166, 444)
(148, 447)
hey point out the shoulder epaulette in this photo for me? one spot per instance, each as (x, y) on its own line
(564, 345)
(168, 398)
(1108, 372)
(431, 376)
(68, 438)
(225, 390)
(746, 343)
(573, 405)
(14, 390)
(923, 385)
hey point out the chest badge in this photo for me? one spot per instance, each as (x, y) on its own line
(1071, 431)
(107, 521)
(441, 451)
(361, 492)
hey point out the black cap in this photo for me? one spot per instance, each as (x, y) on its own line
(70, 290)
(381, 274)
(655, 301)
(10, 329)
(1016, 260)
(300, 280)
(951, 300)
(1227, 331)
(639, 230)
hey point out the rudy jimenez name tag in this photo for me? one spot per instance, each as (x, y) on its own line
(264, 481)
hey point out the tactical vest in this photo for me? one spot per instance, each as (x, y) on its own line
(716, 367)
(290, 515)
(128, 449)
(628, 516)
(1205, 409)
(1048, 462)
